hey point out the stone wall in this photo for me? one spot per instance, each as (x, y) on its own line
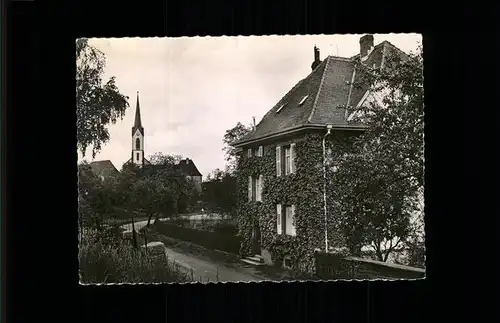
(333, 266)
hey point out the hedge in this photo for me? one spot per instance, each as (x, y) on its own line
(213, 240)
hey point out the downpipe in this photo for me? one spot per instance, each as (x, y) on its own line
(328, 131)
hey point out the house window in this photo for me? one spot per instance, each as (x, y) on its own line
(137, 144)
(288, 160)
(257, 152)
(255, 187)
(285, 159)
(137, 156)
(285, 219)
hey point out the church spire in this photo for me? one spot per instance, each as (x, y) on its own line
(137, 122)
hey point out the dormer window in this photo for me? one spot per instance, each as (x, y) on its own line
(303, 100)
(280, 108)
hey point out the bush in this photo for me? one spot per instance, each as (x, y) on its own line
(106, 261)
(212, 240)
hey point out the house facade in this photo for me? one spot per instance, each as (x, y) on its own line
(188, 168)
(103, 169)
(284, 209)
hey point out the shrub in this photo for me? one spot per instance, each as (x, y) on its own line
(106, 261)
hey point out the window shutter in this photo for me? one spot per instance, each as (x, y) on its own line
(278, 217)
(292, 158)
(292, 222)
(249, 188)
(257, 189)
(261, 186)
(249, 152)
(278, 161)
(261, 151)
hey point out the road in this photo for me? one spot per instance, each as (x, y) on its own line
(204, 268)
(208, 270)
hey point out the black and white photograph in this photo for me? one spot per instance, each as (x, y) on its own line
(248, 159)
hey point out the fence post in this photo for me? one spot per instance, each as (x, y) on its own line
(192, 274)
(217, 274)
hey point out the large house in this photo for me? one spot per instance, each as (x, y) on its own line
(283, 208)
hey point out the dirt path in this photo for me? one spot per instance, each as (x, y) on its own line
(211, 271)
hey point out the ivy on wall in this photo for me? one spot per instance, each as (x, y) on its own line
(304, 189)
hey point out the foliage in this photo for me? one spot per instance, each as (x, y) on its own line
(376, 185)
(117, 262)
(157, 189)
(225, 241)
(372, 178)
(96, 198)
(97, 102)
(232, 135)
(162, 188)
(294, 189)
(219, 193)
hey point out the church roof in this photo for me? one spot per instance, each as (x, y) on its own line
(128, 162)
(321, 97)
(137, 121)
(103, 168)
(188, 167)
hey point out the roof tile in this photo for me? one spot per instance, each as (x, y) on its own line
(329, 90)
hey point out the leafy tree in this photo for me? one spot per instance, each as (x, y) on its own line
(231, 135)
(219, 192)
(161, 188)
(96, 198)
(376, 186)
(97, 102)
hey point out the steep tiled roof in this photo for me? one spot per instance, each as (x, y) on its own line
(103, 168)
(188, 167)
(328, 90)
(137, 120)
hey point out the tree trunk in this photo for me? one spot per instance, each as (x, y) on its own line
(149, 219)
(386, 256)
(378, 253)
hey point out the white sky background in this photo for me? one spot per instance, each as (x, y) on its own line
(193, 89)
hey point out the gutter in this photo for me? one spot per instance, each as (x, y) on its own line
(328, 131)
(292, 130)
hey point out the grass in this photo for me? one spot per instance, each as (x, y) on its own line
(107, 259)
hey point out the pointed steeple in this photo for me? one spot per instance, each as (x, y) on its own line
(137, 122)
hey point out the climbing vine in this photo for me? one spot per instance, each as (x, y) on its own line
(304, 189)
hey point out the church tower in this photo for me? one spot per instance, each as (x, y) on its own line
(138, 137)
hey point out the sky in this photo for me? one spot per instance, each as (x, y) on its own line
(192, 89)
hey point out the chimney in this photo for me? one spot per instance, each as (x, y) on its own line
(365, 46)
(316, 58)
(254, 125)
